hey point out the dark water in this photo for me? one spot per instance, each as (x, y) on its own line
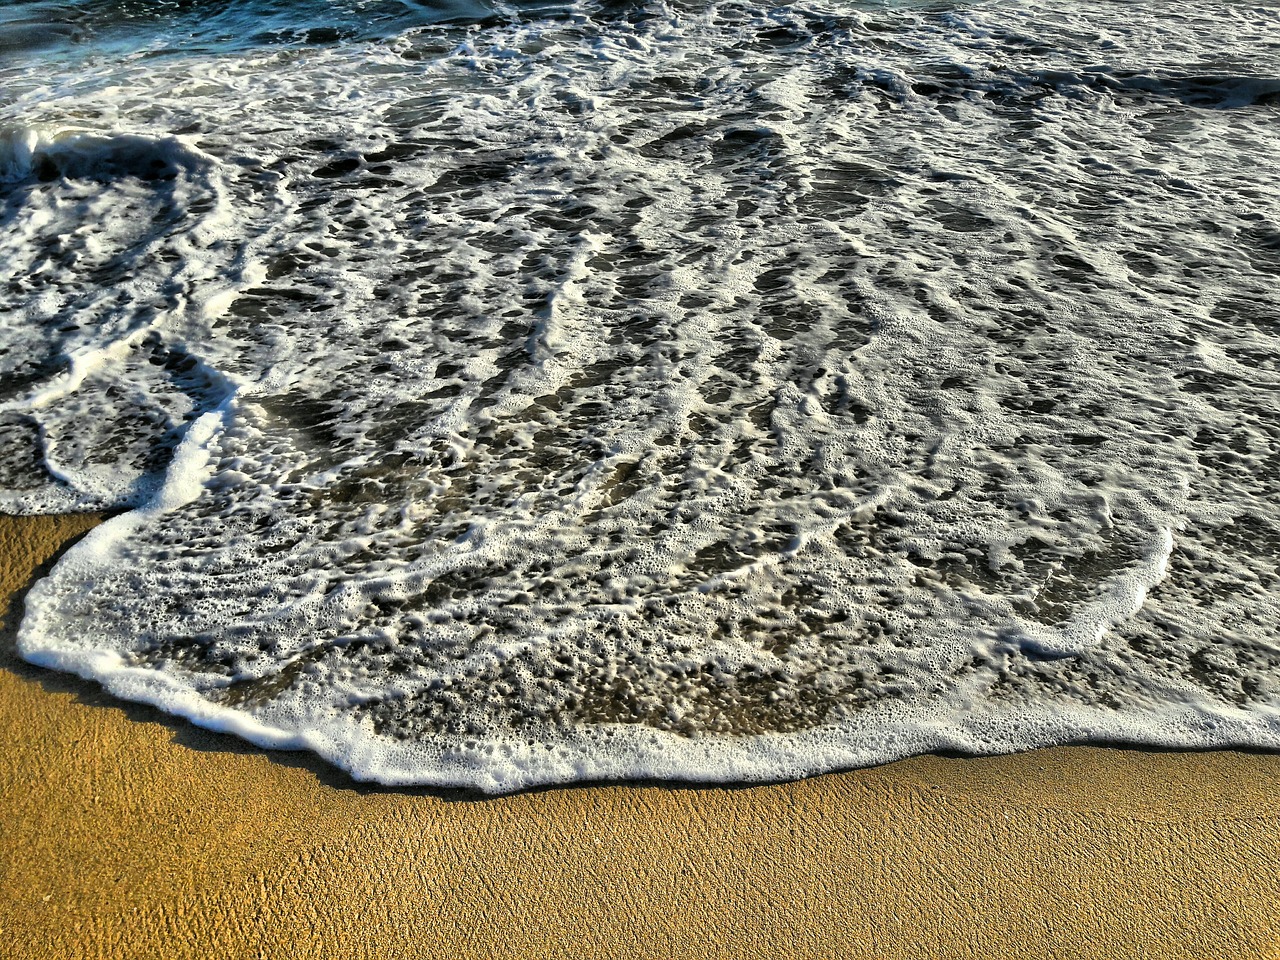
(84, 28)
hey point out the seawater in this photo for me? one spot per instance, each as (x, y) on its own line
(491, 395)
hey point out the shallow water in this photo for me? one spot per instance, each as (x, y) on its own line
(508, 395)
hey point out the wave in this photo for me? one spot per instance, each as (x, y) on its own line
(41, 34)
(706, 392)
(30, 152)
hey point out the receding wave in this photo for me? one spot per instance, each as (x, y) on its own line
(706, 391)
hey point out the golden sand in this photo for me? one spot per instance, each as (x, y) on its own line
(125, 833)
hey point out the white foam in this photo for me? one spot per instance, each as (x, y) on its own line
(720, 394)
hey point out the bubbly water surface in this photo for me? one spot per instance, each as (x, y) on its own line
(501, 395)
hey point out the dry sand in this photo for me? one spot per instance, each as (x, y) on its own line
(124, 833)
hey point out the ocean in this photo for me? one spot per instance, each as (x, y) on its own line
(490, 395)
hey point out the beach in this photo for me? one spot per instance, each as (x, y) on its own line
(673, 479)
(127, 833)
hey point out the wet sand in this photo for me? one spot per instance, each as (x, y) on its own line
(126, 833)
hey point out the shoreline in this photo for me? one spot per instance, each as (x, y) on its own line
(129, 833)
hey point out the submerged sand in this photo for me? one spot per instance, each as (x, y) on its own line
(126, 833)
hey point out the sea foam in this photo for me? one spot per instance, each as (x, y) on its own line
(697, 391)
